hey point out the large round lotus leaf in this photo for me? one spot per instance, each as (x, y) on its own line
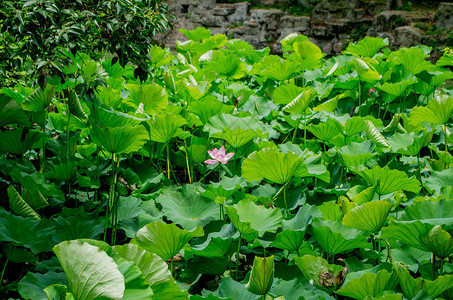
(438, 180)
(367, 47)
(39, 100)
(151, 97)
(397, 89)
(271, 165)
(389, 181)
(375, 135)
(253, 220)
(18, 142)
(434, 213)
(407, 232)
(369, 285)
(125, 139)
(208, 107)
(227, 66)
(166, 240)
(307, 50)
(281, 71)
(221, 121)
(300, 104)
(238, 137)
(164, 127)
(35, 235)
(326, 131)
(437, 112)
(412, 60)
(286, 93)
(438, 241)
(412, 286)
(365, 72)
(91, 273)
(155, 271)
(58, 291)
(11, 112)
(32, 285)
(262, 275)
(187, 208)
(370, 216)
(334, 237)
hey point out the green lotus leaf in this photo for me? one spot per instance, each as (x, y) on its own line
(36, 189)
(224, 188)
(155, 271)
(438, 180)
(58, 292)
(76, 227)
(334, 237)
(286, 93)
(107, 117)
(444, 156)
(434, 213)
(185, 207)
(165, 240)
(326, 131)
(325, 276)
(370, 216)
(365, 196)
(208, 107)
(62, 171)
(368, 285)
(75, 107)
(20, 140)
(307, 50)
(356, 125)
(330, 105)
(365, 72)
(407, 232)
(314, 167)
(412, 60)
(196, 35)
(438, 241)
(357, 154)
(288, 41)
(125, 139)
(19, 206)
(367, 47)
(261, 276)
(35, 235)
(109, 97)
(398, 88)
(214, 246)
(412, 286)
(375, 135)
(281, 71)
(252, 220)
(437, 112)
(295, 289)
(271, 165)
(164, 127)
(39, 100)
(389, 181)
(33, 284)
(408, 143)
(300, 104)
(220, 121)
(159, 57)
(18, 254)
(91, 273)
(231, 289)
(227, 66)
(11, 112)
(206, 265)
(152, 97)
(238, 137)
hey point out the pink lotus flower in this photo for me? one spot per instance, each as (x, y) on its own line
(218, 155)
(372, 92)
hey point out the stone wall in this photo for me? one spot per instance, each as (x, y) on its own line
(330, 25)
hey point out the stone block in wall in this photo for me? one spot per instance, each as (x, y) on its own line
(206, 19)
(388, 20)
(270, 18)
(407, 36)
(300, 24)
(335, 27)
(240, 14)
(248, 28)
(444, 15)
(321, 31)
(223, 10)
(335, 9)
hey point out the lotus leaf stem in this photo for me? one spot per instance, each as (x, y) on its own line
(168, 161)
(187, 163)
(444, 128)
(295, 130)
(4, 269)
(237, 256)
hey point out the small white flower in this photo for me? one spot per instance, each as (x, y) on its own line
(311, 281)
